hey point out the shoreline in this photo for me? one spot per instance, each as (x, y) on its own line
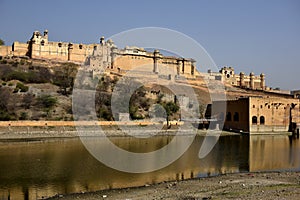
(246, 185)
(38, 133)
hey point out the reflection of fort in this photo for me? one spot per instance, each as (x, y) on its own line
(66, 167)
(60, 167)
(269, 153)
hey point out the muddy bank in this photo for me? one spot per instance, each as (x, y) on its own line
(47, 132)
(275, 185)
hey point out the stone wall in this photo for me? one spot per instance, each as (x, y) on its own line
(273, 114)
(20, 49)
(104, 55)
(241, 80)
(236, 116)
(260, 114)
(5, 51)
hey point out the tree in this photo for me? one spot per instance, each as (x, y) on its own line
(170, 108)
(2, 42)
(64, 77)
(5, 95)
(47, 102)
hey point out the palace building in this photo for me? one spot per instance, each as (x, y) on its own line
(259, 114)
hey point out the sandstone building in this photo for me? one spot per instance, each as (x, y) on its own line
(227, 75)
(100, 56)
(260, 114)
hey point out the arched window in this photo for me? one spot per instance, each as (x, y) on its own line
(228, 116)
(236, 117)
(262, 120)
(254, 120)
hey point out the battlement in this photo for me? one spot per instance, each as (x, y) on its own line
(99, 56)
(241, 80)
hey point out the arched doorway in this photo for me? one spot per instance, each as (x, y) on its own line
(262, 120)
(254, 120)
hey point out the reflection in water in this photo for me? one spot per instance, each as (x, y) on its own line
(36, 169)
(269, 153)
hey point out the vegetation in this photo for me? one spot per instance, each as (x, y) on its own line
(47, 102)
(16, 74)
(5, 114)
(21, 87)
(170, 108)
(2, 42)
(64, 77)
(40, 75)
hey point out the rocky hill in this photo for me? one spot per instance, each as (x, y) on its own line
(42, 90)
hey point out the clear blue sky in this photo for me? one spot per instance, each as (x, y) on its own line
(253, 35)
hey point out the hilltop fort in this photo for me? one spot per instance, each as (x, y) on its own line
(252, 106)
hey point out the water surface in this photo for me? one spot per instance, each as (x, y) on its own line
(33, 170)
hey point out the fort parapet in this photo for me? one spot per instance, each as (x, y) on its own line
(99, 56)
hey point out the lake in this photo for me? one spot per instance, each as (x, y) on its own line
(34, 170)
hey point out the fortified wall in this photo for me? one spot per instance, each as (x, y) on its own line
(241, 80)
(107, 56)
(99, 56)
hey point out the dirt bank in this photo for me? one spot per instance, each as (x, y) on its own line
(284, 185)
(43, 130)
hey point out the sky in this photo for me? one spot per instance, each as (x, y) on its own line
(249, 35)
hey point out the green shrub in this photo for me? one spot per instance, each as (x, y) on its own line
(23, 116)
(4, 116)
(2, 42)
(22, 62)
(15, 75)
(3, 61)
(47, 101)
(3, 83)
(22, 87)
(10, 84)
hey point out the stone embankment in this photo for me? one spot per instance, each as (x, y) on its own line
(37, 130)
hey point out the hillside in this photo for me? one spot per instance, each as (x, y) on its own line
(42, 89)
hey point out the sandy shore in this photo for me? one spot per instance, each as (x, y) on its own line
(276, 185)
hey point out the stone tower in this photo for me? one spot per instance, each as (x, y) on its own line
(155, 59)
(262, 81)
(252, 80)
(242, 79)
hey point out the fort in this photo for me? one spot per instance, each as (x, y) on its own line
(100, 56)
(256, 113)
(105, 55)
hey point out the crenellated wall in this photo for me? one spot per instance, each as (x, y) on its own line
(241, 80)
(101, 56)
